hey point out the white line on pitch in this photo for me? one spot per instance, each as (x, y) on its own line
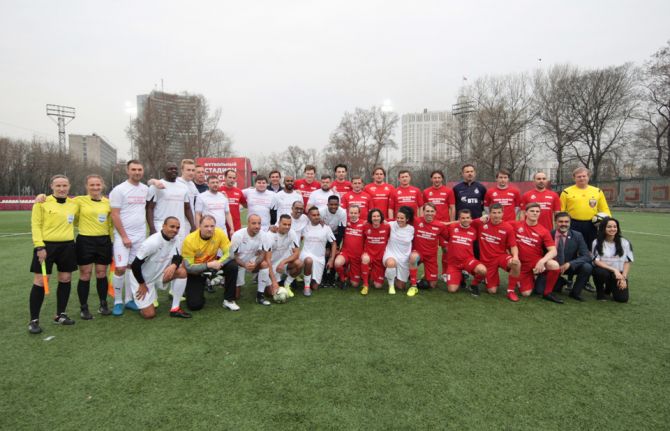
(647, 233)
(5, 235)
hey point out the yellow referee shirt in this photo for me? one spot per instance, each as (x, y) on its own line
(94, 217)
(53, 221)
(583, 204)
(197, 250)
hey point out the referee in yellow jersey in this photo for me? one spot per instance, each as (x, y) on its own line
(582, 202)
(52, 225)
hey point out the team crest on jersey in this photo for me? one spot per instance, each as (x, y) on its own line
(495, 193)
(102, 218)
(533, 196)
(486, 226)
(421, 224)
(430, 193)
(70, 218)
(386, 188)
(593, 203)
(476, 191)
(520, 230)
(456, 230)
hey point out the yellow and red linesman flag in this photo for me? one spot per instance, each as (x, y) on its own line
(45, 278)
(110, 283)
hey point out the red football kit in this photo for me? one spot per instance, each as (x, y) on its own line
(532, 242)
(375, 240)
(341, 187)
(441, 197)
(549, 203)
(235, 200)
(509, 198)
(382, 197)
(426, 241)
(461, 256)
(494, 241)
(306, 189)
(352, 248)
(362, 199)
(409, 196)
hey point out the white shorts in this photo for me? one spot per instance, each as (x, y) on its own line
(401, 266)
(124, 256)
(318, 264)
(151, 295)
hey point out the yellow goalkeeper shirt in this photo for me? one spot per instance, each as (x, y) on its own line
(53, 221)
(583, 204)
(94, 217)
(197, 250)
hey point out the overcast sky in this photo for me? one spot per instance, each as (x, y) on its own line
(284, 72)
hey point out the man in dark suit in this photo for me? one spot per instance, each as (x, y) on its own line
(572, 254)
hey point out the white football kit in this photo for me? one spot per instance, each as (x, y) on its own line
(333, 220)
(319, 198)
(285, 201)
(249, 248)
(214, 204)
(399, 247)
(260, 204)
(169, 203)
(131, 200)
(314, 246)
(157, 253)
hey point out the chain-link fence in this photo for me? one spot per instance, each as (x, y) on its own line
(634, 192)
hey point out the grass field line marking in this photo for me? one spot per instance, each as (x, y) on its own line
(647, 233)
(5, 235)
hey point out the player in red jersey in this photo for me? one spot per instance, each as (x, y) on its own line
(428, 232)
(443, 198)
(550, 202)
(406, 195)
(235, 198)
(460, 242)
(307, 184)
(352, 249)
(537, 250)
(504, 194)
(341, 185)
(375, 237)
(497, 249)
(357, 197)
(381, 192)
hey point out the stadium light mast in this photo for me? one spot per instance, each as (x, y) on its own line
(61, 115)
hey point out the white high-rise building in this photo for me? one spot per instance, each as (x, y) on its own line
(92, 150)
(423, 139)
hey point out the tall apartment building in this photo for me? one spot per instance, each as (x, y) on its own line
(422, 137)
(92, 150)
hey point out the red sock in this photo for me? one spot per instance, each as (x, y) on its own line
(340, 272)
(365, 271)
(412, 275)
(444, 261)
(552, 277)
(478, 279)
(511, 283)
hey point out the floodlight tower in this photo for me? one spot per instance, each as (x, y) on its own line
(61, 115)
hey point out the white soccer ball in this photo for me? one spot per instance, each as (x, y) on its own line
(281, 295)
(599, 217)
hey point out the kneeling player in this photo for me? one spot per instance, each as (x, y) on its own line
(352, 249)
(316, 236)
(496, 237)
(375, 237)
(398, 249)
(461, 257)
(427, 235)
(158, 262)
(285, 254)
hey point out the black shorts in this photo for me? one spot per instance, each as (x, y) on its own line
(63, 254)
(94, 249)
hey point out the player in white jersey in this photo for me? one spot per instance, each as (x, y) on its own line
(319, 198)
(157, 262)
(287, 196)
(249, 247)
(262, 202)
(336, 218)
(298, 218)
(187, 176)
(171, 200)
(316, 236)
(398, 249)
(128, 201)
(214, 203)
(285, 254)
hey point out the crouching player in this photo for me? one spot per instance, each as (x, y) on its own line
(427, 235)
(199, 252)
(316, 237)
(157, 262)
(461, 257)
(375, 237)
(398, 250)
(285, 253)
(536, 252)
(352, 249)
(497, 249)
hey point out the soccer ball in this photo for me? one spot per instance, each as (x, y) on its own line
(281, 295)
(599, 217)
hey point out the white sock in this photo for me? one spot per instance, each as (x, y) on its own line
(390, 275)
(178, 287)
(308, 280)
(288, 280)
(128, 290)
(263, 276)
(117, 280)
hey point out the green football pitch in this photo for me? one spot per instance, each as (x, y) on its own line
(339, 360)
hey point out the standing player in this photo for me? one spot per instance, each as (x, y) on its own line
(504, 194)
(428, 233)
(549, 201)
(533, 239)
(235, 197)
(319, 198)
(316, 237)
(170, 200)
(200, 179)
(215, 204)
(187, 175)
(249, 247)
(443, 198)
(381, 193)
(262, 202)
(357, 197)
(287, 196)
(307, 184)
(128, 201)
(157, 262)
(52, 225)
(336, 218)
(349, 257)
(285, 253)
(341, 185)
(375, 238)
(275, 181)
(461, 238)
(407, 195)
(398, 249)
(498, 249)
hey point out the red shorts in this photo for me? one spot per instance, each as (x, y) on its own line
(354, 264)
(526, 276)
(492, 275)
(454, 275)
(430, 268)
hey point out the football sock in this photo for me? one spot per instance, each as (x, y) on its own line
(83, 286)
(552, 277)
(101, 286)
(511, 283)
(340, 272)
(263, 276)
(478, 279)
(412, 275)
(36, 300)
(390, 275)
(178, 287)
(365, 272)
(308, 280)
(62, 296)
(128, 291)
(117, 281)
(289, 280)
